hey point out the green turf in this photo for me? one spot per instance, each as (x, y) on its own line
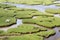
(25, 37)
(46, 33)
(6, 6)
(28, 13)
(22, 32)
(6, 13)
(3, 21)
(49, 22)
(20, 13)
(53, 11)
(42, 2)
(25, 28)
(41, 33)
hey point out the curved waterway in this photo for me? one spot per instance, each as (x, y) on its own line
(39, 8)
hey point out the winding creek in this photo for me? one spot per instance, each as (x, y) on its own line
(39, 8)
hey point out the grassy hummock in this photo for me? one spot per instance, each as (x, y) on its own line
(46, 33)
(53, 11)
(25, 37)
(45, 21)
(6, 13)
(6, 6)
(25, 28)
(27, 13)
(6, 21)
(41, 33)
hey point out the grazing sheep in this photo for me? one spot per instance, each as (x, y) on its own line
(7, 20)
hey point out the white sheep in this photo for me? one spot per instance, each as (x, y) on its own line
(7, 20)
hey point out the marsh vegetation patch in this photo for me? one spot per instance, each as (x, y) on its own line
(27, 31)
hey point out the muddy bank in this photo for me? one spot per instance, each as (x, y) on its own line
(56, 36)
